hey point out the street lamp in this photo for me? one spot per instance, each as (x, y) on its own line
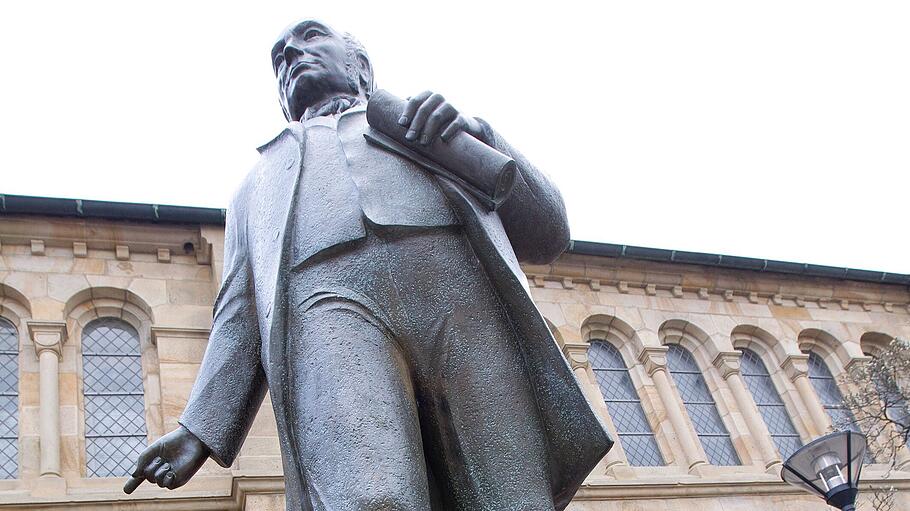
(829, 467)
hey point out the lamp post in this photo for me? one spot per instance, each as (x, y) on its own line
(829, 466)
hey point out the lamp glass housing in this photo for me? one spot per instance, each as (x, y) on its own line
(827, 466)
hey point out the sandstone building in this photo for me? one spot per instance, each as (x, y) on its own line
(707, 369)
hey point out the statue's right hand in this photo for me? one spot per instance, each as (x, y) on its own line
(170, 461)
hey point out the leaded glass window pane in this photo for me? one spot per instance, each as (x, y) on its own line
(701, 407)
(829, 394)
(770, 405)
(624, 405)
(9, 401)
(831, 398)
(114, 406)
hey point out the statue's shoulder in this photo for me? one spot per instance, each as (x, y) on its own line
(292, 134)
(275, 158)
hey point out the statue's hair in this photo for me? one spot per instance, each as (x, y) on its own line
(358, 63)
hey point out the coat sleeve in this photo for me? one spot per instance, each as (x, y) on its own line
(231, 382)
(534, 215)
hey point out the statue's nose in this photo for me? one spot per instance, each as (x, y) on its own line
(291, 53)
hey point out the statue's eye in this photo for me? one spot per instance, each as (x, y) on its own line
(311, 33)
(278, 62)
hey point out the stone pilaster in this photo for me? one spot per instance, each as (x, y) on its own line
(728, 364)
(654, 360)
(49, 337)
(577, 354)
(796, 367)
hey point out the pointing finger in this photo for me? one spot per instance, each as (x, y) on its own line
(132, 484)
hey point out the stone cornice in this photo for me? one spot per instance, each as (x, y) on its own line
(762, 289)
(47, 336)
(120, 238)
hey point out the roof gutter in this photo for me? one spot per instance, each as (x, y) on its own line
(28, 205)
(733, 262)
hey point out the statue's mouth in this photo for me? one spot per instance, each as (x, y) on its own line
(301, 66)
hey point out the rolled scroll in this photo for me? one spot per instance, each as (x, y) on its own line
(478, 168)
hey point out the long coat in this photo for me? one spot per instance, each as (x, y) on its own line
(245, 352)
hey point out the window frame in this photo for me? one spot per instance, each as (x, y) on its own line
(713, 403)
(781, 404)
(625, 370)
(85, 394)
(13, 354)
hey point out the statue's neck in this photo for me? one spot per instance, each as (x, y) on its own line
(334, 105)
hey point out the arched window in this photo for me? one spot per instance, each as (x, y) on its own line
(830, 396)
(624, 405)
(9, 401)
(701, 407)
(832, 400)
(769, 403)
(114, 405)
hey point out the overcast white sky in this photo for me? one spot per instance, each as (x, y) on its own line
(772, 129)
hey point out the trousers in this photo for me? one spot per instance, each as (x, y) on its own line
(408, 388)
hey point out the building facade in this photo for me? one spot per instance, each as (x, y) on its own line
(708, 370)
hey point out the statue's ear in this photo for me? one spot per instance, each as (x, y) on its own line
(366, 73)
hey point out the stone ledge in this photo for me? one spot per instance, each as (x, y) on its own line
(244, 486)
(241, 488)
(642, 489)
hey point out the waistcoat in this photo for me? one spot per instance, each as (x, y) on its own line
(344, 180)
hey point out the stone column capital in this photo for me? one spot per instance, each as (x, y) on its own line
(795, 366)
(728, 363)
(855, 362)
(653, 358)
(576, 354)
(47, 336)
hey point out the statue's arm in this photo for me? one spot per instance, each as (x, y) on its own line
(231, 382)
(534, 215)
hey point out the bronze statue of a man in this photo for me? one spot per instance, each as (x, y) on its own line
(384, 308)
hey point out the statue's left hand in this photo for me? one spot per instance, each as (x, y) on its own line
(428, 115)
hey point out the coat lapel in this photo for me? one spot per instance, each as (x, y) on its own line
(276, 188)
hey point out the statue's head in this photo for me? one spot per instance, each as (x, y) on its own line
(313, 62)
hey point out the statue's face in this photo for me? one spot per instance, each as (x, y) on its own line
(310, 62)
